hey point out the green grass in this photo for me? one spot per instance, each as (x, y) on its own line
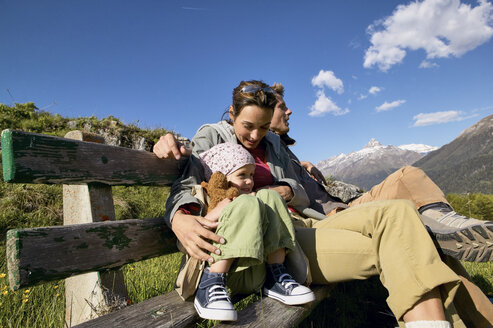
(352, 304)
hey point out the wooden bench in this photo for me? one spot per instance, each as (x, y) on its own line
(91, 246)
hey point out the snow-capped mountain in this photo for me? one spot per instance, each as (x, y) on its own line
(370, 165)
(419, 148)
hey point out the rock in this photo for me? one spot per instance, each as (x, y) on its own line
(139, 143)
(72, 125)
(185, 141)
(110, 138)
(345, 191)
(87, 127)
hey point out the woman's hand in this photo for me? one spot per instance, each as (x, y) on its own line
(314, 172)
(194, 233)
(169, 147)
(285, 191)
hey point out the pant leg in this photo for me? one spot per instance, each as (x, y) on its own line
(473, 306)
(413, 184)
(385, 238)
(253, 227)
(279, 232)
(242, 224)
(409, 183)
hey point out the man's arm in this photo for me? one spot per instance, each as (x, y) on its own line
(314, 172)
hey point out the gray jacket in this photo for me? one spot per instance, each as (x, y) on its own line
(210, 135)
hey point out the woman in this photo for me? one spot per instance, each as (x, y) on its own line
(354, 244)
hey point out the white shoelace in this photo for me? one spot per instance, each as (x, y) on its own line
(218, 292)
(286, 281)
(456, 217)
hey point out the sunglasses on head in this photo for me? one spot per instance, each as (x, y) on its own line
(256, 88)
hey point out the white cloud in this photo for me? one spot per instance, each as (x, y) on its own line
(324, 105)
(423, 119)
(442, 28)
(387, 106)
(374, 90)
(328, 79)
(428, 64)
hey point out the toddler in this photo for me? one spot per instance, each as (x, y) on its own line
(258, 231)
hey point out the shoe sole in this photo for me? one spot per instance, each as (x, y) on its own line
(290, 300)
(215, 314)
(471, 244)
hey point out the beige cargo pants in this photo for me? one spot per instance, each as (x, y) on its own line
(413, 184)
(385, 238)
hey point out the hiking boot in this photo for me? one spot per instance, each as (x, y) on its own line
(281, 286)
(444, 214)
(472, 243)
(212, 300)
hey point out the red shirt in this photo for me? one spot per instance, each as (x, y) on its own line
(262, 176)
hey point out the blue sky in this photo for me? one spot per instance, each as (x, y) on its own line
(401, 72)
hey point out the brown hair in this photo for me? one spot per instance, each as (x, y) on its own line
(278, 88)
(260, 98)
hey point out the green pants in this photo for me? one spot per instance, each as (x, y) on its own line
(253, 227)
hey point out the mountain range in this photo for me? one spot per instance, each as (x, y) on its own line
(464, 165)
(370, 165)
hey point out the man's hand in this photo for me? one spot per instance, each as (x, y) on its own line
(169, 147)
(314, 172)
(285, 191)
(194, 233)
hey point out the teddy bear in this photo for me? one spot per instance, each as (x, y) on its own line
(218, 189)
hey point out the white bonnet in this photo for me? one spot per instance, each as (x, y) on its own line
(225, 158)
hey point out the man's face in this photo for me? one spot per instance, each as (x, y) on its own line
(279, 123)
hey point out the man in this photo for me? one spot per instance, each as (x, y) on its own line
(406, 183)
(472, 305)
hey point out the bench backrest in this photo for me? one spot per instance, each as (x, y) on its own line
(44, 254)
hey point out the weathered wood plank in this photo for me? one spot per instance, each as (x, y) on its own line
(268, 312)
(161, 311)
(42, 254)
(37, 158)
(170, 311)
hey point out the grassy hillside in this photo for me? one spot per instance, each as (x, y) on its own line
(27, 117)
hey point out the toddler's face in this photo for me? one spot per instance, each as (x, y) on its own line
(242, 178)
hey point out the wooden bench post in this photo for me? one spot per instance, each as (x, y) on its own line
(92, 294)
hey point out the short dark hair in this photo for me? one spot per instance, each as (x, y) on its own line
(278, 88)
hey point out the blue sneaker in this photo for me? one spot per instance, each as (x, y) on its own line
(281, 286)
(212, 300)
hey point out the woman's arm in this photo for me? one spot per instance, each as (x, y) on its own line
(193, 230)
(168, 147)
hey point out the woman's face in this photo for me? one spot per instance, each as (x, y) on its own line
(251, 125)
